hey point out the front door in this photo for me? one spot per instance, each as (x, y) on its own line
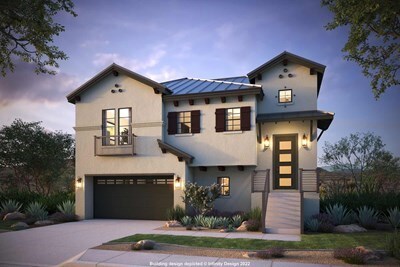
(285, 161)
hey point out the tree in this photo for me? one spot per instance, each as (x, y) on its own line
(27, 30)
(363, 157)
(37, 158)
(201, 198)
(373, 41)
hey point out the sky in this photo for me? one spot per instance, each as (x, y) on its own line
(165, 40)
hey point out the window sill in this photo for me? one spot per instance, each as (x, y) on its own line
(233, 132)
(285, 104)
(184, 135)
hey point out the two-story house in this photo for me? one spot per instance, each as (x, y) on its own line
(138, 142)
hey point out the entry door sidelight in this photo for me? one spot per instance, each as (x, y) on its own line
(285, 161)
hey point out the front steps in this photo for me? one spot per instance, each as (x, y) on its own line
(283, 214)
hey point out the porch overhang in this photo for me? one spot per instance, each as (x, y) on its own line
(182, 156)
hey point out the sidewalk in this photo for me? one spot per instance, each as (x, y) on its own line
(110, 258)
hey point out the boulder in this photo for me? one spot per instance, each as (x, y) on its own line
(45, 222)
(144, 244)
(243, 226)
(369, 254)
(19, 226)
(351, 228)
(249, 254)
(14, 216)
(173, 224)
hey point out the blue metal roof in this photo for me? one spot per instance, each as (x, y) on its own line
(196, 86)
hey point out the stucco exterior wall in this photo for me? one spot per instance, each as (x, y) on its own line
(211, 148)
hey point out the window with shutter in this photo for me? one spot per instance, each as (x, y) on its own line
(245, 113)
(195, 119)
(172, 122)
(220, 120)
(233, 119)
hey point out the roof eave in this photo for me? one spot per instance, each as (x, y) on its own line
(252, 91)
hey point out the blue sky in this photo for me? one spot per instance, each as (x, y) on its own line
(204, 39)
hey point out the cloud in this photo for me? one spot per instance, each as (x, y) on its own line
(94, 43)
(24, 83)
(165, 74)
(104, 59)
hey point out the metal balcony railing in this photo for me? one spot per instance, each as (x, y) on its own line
(114, 145)
(308, 180)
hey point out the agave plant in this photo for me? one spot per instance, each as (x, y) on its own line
(339, 214)
(199, 220)
(36, 210)
(223, 222)
(312, 224)
(237, 221)
(10, 206)
(210, 222)
(186, 220)
(367, 217)
(67, 207)
(394, 217)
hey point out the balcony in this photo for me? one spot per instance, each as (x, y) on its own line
(114, 145)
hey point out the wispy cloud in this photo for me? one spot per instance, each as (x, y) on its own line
(94, 43)
(165, 74)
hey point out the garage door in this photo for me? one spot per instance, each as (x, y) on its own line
(144, 198)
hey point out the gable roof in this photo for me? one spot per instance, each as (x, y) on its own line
(115, 68)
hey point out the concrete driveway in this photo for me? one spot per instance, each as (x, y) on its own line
(52, 245)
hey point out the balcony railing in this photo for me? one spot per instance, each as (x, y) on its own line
(114, 145)
(260, 184)
(308, 180)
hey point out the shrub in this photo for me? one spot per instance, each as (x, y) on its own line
(393, 244)
(326, 224)
(339, 214)
(67, 207)
(230, 228)
(223, 222)
(175, 214)
(186, 220)
(237, 221)
(367, 217)
(326, 228)
(253, 225)
(201, 198)
(270, 253)
(199, 220)
(312, 225)
(254, 214)
(350, 255)
(37, 211)
(393, 217)
(10, 206)
(210, 222)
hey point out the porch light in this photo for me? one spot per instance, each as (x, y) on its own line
(266, 142)
(79, 182)
(304, 142)
(177, 182)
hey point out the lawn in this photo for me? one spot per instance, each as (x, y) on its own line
(371, 239)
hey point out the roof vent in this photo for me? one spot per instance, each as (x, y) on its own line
(115, 73)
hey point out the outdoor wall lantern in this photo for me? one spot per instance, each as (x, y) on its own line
(304, 141)
(79, 182)
(266, 142)
(178, 182)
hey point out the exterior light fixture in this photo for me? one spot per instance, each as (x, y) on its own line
(266, 142)
(177, 182)
(79, 182)
(304, 141)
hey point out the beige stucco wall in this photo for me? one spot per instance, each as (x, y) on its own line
(209, 147)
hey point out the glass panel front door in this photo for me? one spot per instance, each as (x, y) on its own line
(285, 161)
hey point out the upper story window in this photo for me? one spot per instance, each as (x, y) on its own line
(117, 127)
(232, 119)
(224, 183)
(184, 122)
(285, 96)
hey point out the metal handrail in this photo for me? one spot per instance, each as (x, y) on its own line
(116, 145)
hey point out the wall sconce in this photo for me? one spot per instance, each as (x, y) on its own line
(266, 142)
(79, 182)
(177, 183)
(304, 141)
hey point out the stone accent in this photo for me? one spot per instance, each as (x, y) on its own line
(351, 228)
(45, 222)
(243, 226)
(144, 244)
(170, 224)
(14, 216)
(19, 226)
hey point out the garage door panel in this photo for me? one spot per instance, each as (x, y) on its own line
(132, 200)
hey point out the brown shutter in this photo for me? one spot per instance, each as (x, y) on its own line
(172, 116)
(220, 120)
(245, 118)
(195, 120)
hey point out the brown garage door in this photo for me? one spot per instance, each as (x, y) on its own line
(143, 198)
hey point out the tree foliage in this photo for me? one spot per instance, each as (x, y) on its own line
(373, 41)
(201, 198)
(27, 29)
(38, 158)
(362, 155)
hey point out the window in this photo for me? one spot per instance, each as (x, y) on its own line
(232, 119)
(224, 184)
(117, 129)
(285, 96)
(184, 124)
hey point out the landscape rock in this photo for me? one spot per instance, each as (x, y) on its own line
(351, 228)
(19, 226)
(250, 254)
(242, 227)
(144, 244)
(45, 222)
(173, 224)
(14, 216)
(369, 254)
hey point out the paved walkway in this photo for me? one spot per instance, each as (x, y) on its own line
(52, 245)
(109, 258)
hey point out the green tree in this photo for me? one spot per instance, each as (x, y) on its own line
(362, 155)
(373, 41)
(27, 29)
(38, 158)
(201, 198)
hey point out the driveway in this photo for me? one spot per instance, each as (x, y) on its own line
(52, 245)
